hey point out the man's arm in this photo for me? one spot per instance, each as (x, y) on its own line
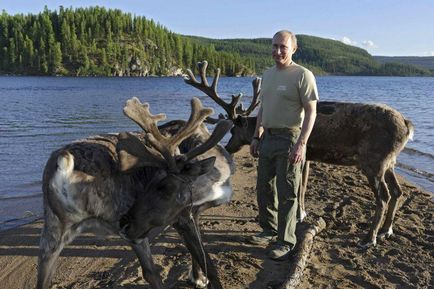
(296, 154)
(258, 128)
(257, 134)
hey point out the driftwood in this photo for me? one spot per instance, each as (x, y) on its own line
(297, 266)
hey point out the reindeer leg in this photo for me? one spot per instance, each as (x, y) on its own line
(143, 252)
(301, 213)
(53, 240)
(50, 247)
(196, 276)
(396, 198)
(382, 197)
(185, 226)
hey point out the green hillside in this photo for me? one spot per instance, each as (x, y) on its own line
(322, 56)
(426, 62)
(98, 41)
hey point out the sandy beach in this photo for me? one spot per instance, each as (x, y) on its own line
(339, 194)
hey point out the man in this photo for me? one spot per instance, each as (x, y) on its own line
(285, 120)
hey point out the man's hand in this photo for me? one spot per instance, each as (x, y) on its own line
(254, 148)
(297, 153)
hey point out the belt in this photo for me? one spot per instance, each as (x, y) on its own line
(283, 130)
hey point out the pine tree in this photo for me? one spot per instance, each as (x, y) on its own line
(97, 41)
(28, 53)
(55, 58)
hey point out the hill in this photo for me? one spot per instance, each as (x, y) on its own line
(426, 62)
(322, 56)
(97, 41)
(105, 42)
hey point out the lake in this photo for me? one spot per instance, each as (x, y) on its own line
(40, 114)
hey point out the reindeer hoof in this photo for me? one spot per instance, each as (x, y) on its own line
(366, 244)
(201, 282)
(385, 235)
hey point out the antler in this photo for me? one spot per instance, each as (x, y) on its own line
(232, 110)
(222, 127)
(256, 84)
(166, 145)
(133, 153)
(211, 91)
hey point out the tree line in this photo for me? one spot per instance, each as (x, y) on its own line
(322, 56)
(109, 42)
(97, 41)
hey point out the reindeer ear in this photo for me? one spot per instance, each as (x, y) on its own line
(199, 168)
(134, 154)
(207, 165)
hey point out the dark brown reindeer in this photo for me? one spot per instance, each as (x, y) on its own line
(92, 183)
(367, 136)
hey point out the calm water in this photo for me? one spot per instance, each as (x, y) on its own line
(40, 114)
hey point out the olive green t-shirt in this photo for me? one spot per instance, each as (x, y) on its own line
(283, 92)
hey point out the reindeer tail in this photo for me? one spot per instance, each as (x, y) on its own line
(410, 128)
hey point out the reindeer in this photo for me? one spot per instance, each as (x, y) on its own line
(367, 136)
(95, 183)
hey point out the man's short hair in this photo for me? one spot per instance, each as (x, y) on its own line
(286, 32)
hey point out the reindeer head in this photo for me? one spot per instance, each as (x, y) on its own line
(170, 189)
(244, 126)
(241, 133)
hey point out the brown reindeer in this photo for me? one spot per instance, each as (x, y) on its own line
(367, 136)
(142, 177)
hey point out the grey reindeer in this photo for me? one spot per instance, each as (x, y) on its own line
(367, 136)
(93, 183)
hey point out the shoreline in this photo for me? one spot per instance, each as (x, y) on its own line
(338, 194)
(32, 210)
(31, 214)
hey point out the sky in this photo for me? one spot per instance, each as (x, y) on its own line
(382, 27)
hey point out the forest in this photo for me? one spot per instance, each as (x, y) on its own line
(322, 56)
(96, 41)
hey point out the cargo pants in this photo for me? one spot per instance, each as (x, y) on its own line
(277, 186)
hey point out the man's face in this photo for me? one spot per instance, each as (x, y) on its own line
(282, 49)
